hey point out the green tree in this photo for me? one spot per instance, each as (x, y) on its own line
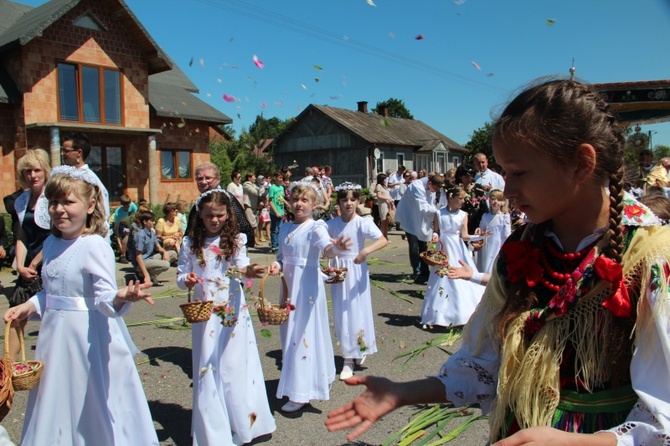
(481, 141)
(396, 108)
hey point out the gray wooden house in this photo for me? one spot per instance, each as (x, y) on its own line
(358, 145)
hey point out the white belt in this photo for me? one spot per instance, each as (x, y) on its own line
(297, 261)
(71, 303)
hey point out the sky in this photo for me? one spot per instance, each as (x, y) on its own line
(453, 63)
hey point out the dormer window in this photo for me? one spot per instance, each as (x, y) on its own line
(89, 22)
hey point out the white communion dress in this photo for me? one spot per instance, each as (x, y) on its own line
(308, 365)
(89, 391)
(352, 303)
(500, 227)
(450, 302)
(230, 404)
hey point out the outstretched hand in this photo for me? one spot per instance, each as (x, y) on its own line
(133, 292)
(464, 272)
(376, 401)
(342, 243)
(548, 436)
(254, 271)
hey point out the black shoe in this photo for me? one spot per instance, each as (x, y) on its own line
(421, 281)
(123, 261)
(155, 282)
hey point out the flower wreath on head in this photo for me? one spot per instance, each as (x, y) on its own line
(79, 174)
(348, 186)
(304, 183)
(204, 194)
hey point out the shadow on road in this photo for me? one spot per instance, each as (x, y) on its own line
(178, 356)
(400, 320)
(175, 422)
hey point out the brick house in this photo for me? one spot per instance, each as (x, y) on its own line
(359, 145)
(90, 66)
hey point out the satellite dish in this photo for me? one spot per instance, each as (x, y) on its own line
(376, 153)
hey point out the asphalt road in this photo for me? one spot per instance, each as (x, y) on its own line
(164, 364)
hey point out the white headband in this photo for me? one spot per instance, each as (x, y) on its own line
(79, 174)
(304, 183)
(348, 186)
(204, 194)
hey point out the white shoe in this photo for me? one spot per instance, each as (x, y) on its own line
(360, 361)
(292, 406)
(347, 371)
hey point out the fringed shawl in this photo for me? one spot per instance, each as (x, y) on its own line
(529, 376)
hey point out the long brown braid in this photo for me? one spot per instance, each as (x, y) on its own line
(557, 116)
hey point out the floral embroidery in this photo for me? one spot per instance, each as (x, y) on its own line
(523, 261)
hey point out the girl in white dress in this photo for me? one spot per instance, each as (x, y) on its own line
(308, 365)
(451, 302)
(230, 404)
(89, 391)
(352, 305)
(496, 226)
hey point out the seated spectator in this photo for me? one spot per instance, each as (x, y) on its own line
(181, 213)
(169, 229)
(121, 226)
(150, 259)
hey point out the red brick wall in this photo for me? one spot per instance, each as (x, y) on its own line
(33, 67)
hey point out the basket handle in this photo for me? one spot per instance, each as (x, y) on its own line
(19, 330)
(261, 298)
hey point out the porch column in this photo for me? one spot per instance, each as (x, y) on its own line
(54, 146)
(153, 171)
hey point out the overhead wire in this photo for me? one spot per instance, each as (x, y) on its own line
(282, 21)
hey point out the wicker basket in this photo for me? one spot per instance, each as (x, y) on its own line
(22, 380)
(197, 310)
(335, 273)
(6, 387)
(273, 314)
(435, 257)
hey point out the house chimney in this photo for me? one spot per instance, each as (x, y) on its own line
(363, 106)
(385, 111)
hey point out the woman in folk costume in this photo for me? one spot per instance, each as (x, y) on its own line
(571, 342)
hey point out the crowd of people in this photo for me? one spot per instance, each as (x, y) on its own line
(563, 296)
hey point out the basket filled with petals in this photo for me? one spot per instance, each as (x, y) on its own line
(435, 257)
(196, 310)
(25, 374)
(336, 274)
(273, 314)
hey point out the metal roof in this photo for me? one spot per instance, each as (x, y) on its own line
(641, 102)
(376, 129)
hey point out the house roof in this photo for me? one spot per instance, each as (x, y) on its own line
(397, 131)
(167, 99)
(169, 88)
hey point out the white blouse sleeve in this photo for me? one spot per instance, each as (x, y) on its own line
(185, 263)
(470, 376)
(100, 264)
(240, 258)
(649, 421)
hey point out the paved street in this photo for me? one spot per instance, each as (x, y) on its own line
(165, 362)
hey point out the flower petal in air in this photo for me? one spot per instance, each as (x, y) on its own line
(476, 65)
(258, 63)
(228, 98)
